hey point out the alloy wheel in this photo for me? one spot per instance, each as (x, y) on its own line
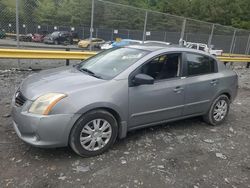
(220, 110)
(95, 134)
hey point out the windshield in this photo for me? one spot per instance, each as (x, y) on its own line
(110, 63)
(55, 34)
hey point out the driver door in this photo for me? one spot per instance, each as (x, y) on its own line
(162, 100)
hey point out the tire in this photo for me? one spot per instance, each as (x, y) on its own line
(212, 117)
(81, 131)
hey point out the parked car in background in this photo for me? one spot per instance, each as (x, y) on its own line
(2, 34)
(126, 42)
(90, 105)
(156, 43)
(76, 38)
(204, 47)
(37, 37)
(25, 38)
(59, 37)
(107, 45)
(95, 42)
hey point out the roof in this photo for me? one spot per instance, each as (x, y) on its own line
(153, 48)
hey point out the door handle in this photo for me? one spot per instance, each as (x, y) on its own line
(214, 82)
(178, 89)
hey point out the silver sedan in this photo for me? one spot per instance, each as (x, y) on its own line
(90, 105)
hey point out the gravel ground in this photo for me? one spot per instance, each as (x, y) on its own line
(187, 153)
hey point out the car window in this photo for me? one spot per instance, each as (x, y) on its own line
(63, 35)
(194, 46)
(202, 48)
(163, 67)
(110, 63)
(133, 43)
(199, 64)
(98, 40)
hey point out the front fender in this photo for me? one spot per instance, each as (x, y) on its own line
(123, 119)
(108, 105)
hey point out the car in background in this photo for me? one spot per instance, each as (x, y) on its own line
(90, 105)
(76, 37)
(37, 37)
(107, 45)
(95, 42)
(58, 37)
(126, 42)
(2, 34)
(156, 43)
(25, 38)
(204, 47)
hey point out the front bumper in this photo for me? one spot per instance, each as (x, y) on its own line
(40, 130)
(83, 45)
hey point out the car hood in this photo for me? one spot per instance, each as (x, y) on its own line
(60, 80)
(84, 42)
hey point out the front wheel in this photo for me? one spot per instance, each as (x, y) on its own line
(94, 133)
(218, 111)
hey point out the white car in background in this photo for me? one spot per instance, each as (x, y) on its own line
(204, 47)
(107, 45)
(126, 42)
(157, 43)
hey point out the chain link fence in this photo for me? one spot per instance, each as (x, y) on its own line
(111, 21)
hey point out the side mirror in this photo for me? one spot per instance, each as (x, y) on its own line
(143, 79)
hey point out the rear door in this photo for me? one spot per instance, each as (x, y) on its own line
(201, 81)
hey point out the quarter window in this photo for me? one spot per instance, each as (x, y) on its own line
(199, 64)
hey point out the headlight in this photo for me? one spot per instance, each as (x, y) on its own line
(43, 104)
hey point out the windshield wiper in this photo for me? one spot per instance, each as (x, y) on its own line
(89, 72)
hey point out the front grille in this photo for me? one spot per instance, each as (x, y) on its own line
(19, 99)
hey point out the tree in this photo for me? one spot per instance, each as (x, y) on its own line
(78, 12)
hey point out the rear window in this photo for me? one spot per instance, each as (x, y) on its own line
(199, 64)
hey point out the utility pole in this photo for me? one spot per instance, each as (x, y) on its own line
(92, 24)
(182, 32)
(17, 30)
(17, 23)
(145, 27)
(211, 36)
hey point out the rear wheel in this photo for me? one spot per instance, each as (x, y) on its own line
(94, 133)
(218, 110)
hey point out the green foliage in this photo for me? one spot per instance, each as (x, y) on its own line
(78, 12)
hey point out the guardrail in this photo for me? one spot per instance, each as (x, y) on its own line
(55, 54)
(42, 47)
(44, 54)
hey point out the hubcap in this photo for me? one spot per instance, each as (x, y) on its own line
(95, 134)
(220, 110)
